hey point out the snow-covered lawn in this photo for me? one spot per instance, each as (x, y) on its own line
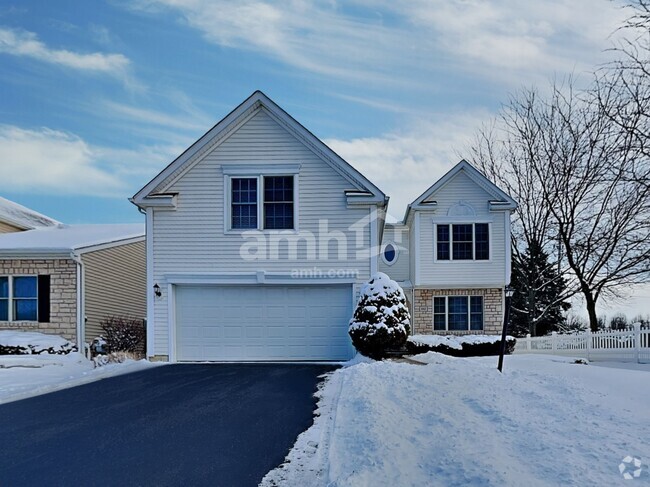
(457, 421)
(24, 376)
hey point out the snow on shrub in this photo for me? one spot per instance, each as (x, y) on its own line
(459, 346)
(381, 319)
(31, 342)
(123, 334)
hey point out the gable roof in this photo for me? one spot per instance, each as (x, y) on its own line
(22, 217)
(64, 239)
(153, 193)
(502, 201)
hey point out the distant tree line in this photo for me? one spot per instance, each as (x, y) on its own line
(578, 163)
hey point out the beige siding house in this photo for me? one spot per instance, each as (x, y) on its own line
(65, 279)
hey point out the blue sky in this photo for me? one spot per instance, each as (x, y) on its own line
(97, 97)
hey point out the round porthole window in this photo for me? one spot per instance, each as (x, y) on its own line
(390, 254)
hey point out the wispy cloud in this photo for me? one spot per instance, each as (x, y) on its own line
(55, 162)
(192, 121)
(405, 163)
(27, 44)
(409, 42)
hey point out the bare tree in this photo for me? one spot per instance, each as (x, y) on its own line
(506, 151)
(622, 86)
(579, 164)
(574, 184)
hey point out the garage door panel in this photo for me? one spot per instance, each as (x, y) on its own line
(231, 323)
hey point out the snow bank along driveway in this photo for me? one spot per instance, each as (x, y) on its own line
(455, 421)
(23, 376)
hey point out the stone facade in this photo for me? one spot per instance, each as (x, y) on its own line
(422, 310)
(63, 294)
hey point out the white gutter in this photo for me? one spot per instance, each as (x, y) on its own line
(81, 311)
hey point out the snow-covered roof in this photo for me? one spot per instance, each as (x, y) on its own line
(22, 217)
(67, 238)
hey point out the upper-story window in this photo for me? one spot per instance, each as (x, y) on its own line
(389, 254)
(244, 203)
(275, 199)
(278, 202)
(467, 241)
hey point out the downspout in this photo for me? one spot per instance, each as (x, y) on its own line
(81, 311)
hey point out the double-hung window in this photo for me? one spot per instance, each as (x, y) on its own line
(467, 241)
(24, 298)
(457, 313)
(244, 203)
(278, 202)
(274, 195)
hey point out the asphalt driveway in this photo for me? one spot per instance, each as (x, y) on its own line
(191, 425)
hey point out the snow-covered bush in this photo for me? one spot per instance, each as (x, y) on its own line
(31, 342)
(123, 334)
(460, 346)
(381, 319)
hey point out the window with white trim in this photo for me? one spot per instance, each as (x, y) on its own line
(278, 202)
(25, 298)
(464, 241)
(457, 313)
(274, 195)
(390, 253)
(243, 193)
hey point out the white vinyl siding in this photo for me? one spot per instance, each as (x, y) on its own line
(398, 235)
(191, 239)
(463, 273)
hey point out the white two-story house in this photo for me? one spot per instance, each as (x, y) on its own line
(259, 238)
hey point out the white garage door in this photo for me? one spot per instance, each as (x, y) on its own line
(271, 322)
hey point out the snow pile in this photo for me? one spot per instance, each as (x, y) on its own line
(28, 342)
(454, 342)
(461, 422)
(23, 376)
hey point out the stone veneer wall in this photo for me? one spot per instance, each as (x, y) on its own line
(492, 310)
(63, 294)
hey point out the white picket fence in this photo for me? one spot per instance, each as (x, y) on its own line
(629, 345)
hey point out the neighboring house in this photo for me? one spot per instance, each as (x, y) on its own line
(65, 279)
(17, 218)
(451, 254)
(259, 238)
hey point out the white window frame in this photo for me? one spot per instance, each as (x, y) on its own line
(383, 250)
(469, 312)
(451, 241)
(10, 299)
(258, 172)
